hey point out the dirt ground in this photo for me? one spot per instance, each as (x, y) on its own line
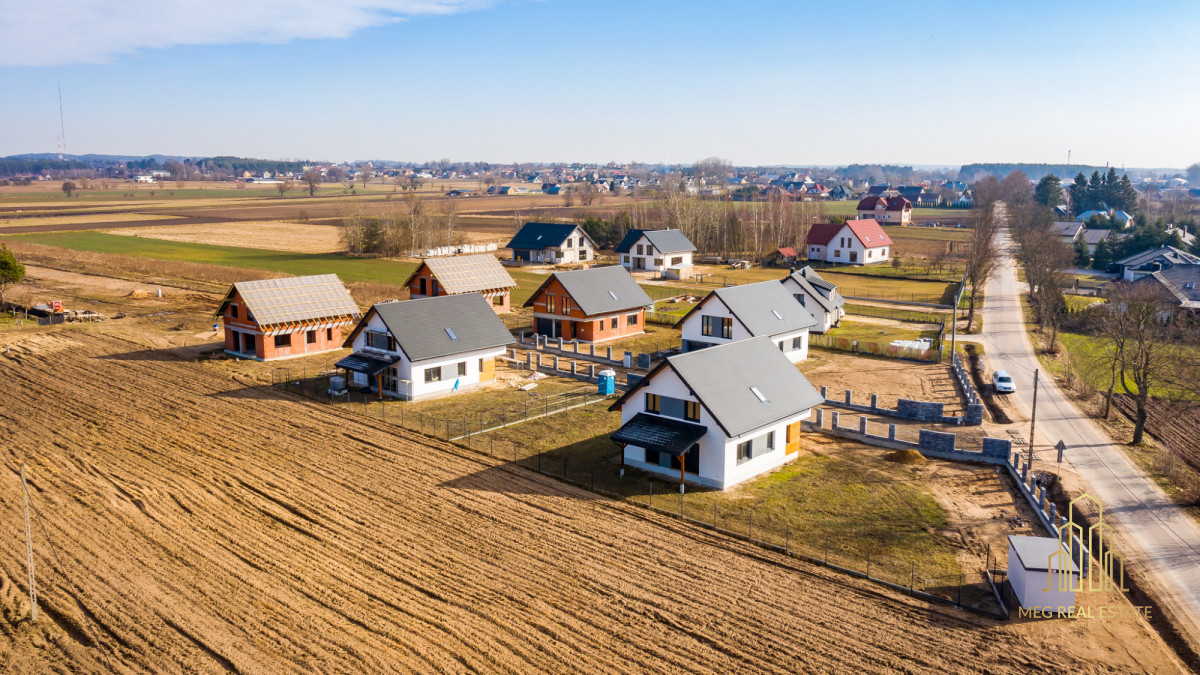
(889, 378)
(201, 525)
(279, 236)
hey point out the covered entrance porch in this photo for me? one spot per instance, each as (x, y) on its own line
(670, 445)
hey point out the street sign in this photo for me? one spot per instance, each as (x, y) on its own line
(1060, 447)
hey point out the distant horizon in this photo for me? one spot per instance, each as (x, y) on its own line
(355, 162)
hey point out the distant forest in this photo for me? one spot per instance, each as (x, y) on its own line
(20, 167)
(114, 167)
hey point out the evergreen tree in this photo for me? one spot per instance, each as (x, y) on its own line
(1082, 257)
(1102, 256)
(1079, 194)
(1127, 196)
(1049, 191)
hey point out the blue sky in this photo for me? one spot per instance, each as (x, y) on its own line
(558, 80)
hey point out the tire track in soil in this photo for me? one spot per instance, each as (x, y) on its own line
(414, 557)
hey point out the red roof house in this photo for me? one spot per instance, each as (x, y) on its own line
(888, 210)
(857, 242)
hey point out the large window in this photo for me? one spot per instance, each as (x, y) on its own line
(658, 262)
(631, 319)
(582, 252)
(433, 375)
(566, 306)
(311, 337)
(677, 260)
(549, 304)
(691, 410)
(745, 452)
(652, 403)
(498, 300)
(716, 326)
(283, 340)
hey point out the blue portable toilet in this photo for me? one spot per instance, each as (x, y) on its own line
(608, 381)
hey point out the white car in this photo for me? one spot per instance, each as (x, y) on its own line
(1002, 382)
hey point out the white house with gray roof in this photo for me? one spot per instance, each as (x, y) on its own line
(764, 309)
(818, 296)
(655, 250)
(716, 417)
(418, 349)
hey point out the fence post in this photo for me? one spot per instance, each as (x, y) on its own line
(826, 550)
(715, 515)
(868, 563)
(960, 583)
(912, 578)
(681, 506)
(787, 539)
(750, 529)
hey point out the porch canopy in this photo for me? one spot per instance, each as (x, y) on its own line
(663, 434)
(366, 364)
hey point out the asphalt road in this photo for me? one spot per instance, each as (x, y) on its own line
(1165, 538)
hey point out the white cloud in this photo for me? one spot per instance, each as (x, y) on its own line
(60, 32)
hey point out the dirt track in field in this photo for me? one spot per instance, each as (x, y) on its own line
(214, 527)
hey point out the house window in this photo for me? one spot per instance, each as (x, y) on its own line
(462, 368)
(651, 456)
(549, 304)
(641, 249)
(233, 311)
(433, 375)
(691, 410)
(380, 341)
(799, 298)
(716, 326)
(600, 325)
(583, 254)
(677, 260)
(614, 323)
(329, 335)
(770, 440)
(311, 337)
(797, 343)
(658, 262)
(566, 306)
(624, 260)
(498, 300)
(781, 344)
(570, 240)
(837, 253)
(283, 340)
(652, 403)
(249, 315)
(424, 285)
(631, 319)
(745, 452)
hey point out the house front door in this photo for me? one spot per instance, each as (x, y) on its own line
(545, 326)
(853, 256)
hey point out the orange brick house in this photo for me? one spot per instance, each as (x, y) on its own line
(283, 318)
(592, 305)
(461, 274)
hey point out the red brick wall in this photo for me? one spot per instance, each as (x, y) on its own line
(587, 328)
(327, 339)
(423, 272)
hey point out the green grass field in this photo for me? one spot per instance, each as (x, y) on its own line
(849, 208)
(874, 332)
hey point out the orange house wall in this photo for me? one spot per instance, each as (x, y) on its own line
(584, 327)
(423, 272)
(264, 345)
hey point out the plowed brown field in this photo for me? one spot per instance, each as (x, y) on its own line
(211, 526)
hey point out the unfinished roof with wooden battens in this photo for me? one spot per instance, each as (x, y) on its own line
(274, 302)
(467, 273)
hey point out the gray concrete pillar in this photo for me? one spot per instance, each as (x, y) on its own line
(576, 345)
(874, 401)
(556, 363)
(574, 369)
(560, 343)
(862, 424)
(891, 432)
(849, 396)
(592, 370)
(824, 392)
(529, 359)
(522, 336)
(1024, 473)
(609, 354)
(834, 419)
(820, 423)
(591, 348)
(1042, 498)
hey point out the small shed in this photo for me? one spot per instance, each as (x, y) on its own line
(1042, 574)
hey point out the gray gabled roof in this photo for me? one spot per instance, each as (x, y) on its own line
(599, 290)
(765, 308)
(826, 303)
(423, 328)
(537, 236)
(666, 241)
(1168, 255)
(1066, 228)
(1182, 282)
(1094, 237)
(721, 378)
(293, 299)
(816, 279)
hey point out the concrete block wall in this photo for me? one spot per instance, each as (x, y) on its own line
(940, 441)
(964, 380)
(922, 411)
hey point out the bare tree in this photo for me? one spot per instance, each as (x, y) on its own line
(285, 186)
(312, 180)
(982, 257)
(364, 173)
(355, 235)
(1151, 353)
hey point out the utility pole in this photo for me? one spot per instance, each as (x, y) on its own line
(29, 548)
(1033, 417)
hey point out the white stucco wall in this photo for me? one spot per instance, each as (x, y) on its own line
(649, 255)
(691, 329)
(719, 467)
(1030, 587)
